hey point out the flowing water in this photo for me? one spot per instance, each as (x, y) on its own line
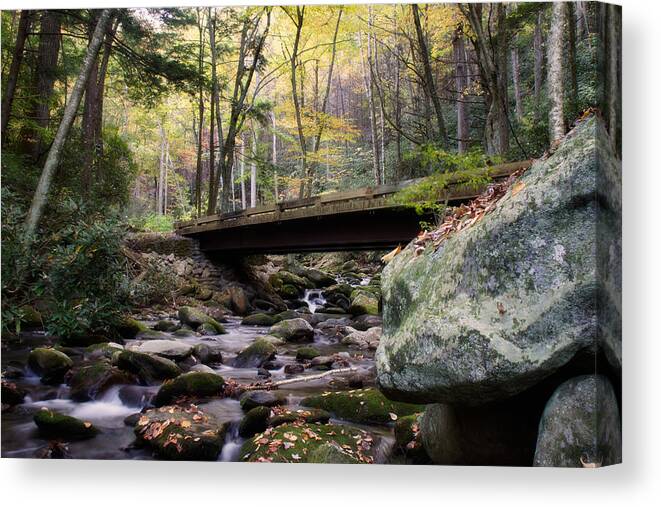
(21, 439)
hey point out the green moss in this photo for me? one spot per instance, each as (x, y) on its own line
(179, 433)
(195, 318)
(364, 302)
(193, 385)
(298, 443)
(50, 364)
(90, 380)
(259, 319)
(367, 406)
(255, 421)
(255, 354)
(310, 416)
(307, 353)
(130, 327)
(52, 424)
(149, 368)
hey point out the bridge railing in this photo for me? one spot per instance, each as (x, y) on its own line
(336, 202)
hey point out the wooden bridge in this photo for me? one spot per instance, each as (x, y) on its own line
(362, 219)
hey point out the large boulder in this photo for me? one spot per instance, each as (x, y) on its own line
(255, 354)
(293, 330)
(181, 433)
(259, 398)
(580, 425)
(259, 319)
(190, 385)
(50, 364)
(510, 299)
(363, 339)
(130, 327)
(149, 368)
(366, 406)
(196, 318)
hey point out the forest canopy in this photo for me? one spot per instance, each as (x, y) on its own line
(197, 110)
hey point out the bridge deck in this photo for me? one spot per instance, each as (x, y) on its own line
(356, 219)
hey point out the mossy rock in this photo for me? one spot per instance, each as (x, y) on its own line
(208, 329)
(255, 421)
(257, 398)
(148, 367)
(282, 415)
(152, 334)
(259, 319)
(367, 406)
(298, 443)
(52, 424)
(50, 364)
(286, 315)
(283, 278)
(181, 433)
(129, 328)
(363, 302)
(191, 385)
(407, 438)
(332, 453)
(307, 353)
(255, 354)
(88, 381)
(107, 350)
(207, 353)
(288, 291)
(194, 318)
(293, 330)
(183, 333)
(166, 325)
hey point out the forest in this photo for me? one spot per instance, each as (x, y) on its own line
(118, 124)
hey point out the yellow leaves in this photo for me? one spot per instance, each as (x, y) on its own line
(87, 424)
(185, 424)
(390, 256)
(517, 187)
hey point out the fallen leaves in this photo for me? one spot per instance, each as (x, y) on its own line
(466, 215)
(391, 255)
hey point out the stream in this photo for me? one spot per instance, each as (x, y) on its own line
(20, 437)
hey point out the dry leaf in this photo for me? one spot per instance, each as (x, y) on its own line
(517, 187)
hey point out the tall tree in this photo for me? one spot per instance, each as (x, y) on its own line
(200, 90)
(556, 72)
(49, 46)
(461, 83)
(490, 42)
(14, 68)
(539, 62)
(428, 81)
(41, 193)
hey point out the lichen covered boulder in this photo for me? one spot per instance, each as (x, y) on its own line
(307, 353)
(255, 354)
(507, 301)
(181, 433)
(169, 349)
(149, 368)
(293, 330)
(299, 443)
(195, 318)
(52, 424)
(50, 364)
(189, 385)
(580, 425)
(366, 406)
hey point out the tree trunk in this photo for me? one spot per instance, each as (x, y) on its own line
(242, 172)
(516, 81)
(14, 68)
(556, 72)
(274, 158)
(53, 158)
(253, 170)
(293, 61)
(539, 62)
(491, 49)
(367, 80)
(613, 56)
(200, 69)
(571, 57)
(461, 70)
(49, 47)
(428, 82)
(161, 172)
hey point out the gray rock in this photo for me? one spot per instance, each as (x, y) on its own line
(49, 364)
(255, 354)
(148, 367)
(252, 399)
(293, 330)
(580, 425)
(165, 348)
(506, 302)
